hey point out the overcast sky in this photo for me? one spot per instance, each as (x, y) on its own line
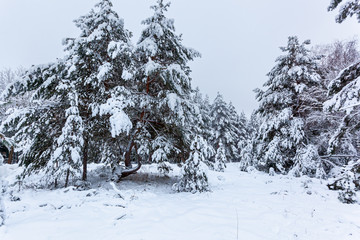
(239, 39)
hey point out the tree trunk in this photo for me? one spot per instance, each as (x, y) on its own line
(11, 154)
(67, 178)
(128, 154)
(85, 160)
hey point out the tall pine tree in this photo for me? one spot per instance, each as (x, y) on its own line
(167, 114)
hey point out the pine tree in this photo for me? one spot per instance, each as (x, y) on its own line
(98, 68)
(194, 178)
(167, 115)
(283, 107)
(226, 127)
(345, 97)
(347, 9)
(220, 159)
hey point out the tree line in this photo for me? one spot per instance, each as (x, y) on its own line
(122, 104)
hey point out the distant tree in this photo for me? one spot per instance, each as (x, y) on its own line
(194, 178)
(204, 120)
(248, 145)
(220, 158)
(227, 127)
(283, 108)
(8, 76)
(347, 9)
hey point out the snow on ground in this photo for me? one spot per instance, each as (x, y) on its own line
(143, 207)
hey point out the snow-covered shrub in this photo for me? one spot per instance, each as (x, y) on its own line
(307, 162)
(348, 182)
(194, 178)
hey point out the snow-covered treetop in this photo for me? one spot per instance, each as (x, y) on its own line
(100, 22)
(347, 9)
(294, 72)
(159, 40)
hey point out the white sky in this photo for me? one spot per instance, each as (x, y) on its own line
(239, 39)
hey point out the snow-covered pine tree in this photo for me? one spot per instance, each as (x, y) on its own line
(347, 9)
(194, 178)
(167, 113)
(345, 97)
(101, 62)
(348, 182)
(98, 66)
(220, 158)
(65, 163)
(226, 127)
(281, 136)
(248, 145)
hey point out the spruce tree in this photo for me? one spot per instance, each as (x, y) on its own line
(220, 159)
(193, 173)
(348, 182)
(248, 145)
(226, 128)
(283, 107)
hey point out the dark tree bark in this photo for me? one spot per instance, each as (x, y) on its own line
(85, 160)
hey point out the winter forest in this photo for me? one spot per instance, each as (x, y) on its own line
(115, 128)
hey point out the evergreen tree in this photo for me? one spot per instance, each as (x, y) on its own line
(227, 128)
(220, 159)
(325, 128)
(193, 172)
(345, 97)
(348, 182)
(248, 145)
(204, 120)
(283, 107)
(347, 9)
(167, 115)
(97, 70)
(66, 159)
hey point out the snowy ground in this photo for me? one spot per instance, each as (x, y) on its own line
(143, 206)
